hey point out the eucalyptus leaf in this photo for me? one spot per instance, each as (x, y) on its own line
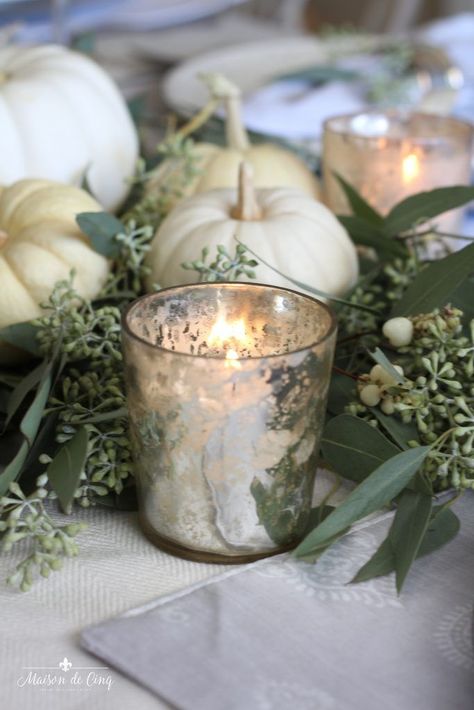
(22, 389)
(14, 468)
(305, 287)
(314, 555)
(359, 206)
(463, 298)
(320, 74)
(354, 448)
(435, 284)
(375, 492)
(399, 431)
(29, 426)
(381, 359)
(369, 235)
(101, 228)
(423, 206)
(10, 379)
(408, 530)
(44, 443)
(316, 515)
(442, 528)
(381, 563)
(341, 392)
(65, 469)
(31, 421)
(22, 336)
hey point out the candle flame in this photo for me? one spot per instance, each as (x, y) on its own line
(225, 334)
(410, 167)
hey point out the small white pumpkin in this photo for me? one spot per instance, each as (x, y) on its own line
(62, 117)
(40, 243)
(289, 230)
(219, 166)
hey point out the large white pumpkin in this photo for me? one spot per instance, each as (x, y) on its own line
(61, 118)
(40, 243)
(285, 227)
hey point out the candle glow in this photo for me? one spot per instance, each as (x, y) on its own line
(410, 168)
(229, 335)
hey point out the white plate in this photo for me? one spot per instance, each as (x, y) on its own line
(249, 65)
(291, 111)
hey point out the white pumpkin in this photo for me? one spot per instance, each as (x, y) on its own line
(287, 229)
(219, 166)
(40, 243)
(61, 118)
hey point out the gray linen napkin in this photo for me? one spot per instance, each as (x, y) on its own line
(287, 635)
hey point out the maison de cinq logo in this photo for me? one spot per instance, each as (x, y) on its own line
(66, 676)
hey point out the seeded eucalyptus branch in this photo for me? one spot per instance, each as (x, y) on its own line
(72, 405)
(411, 412)
(435, 394)
(88, 397)
(25, 519)
(224, 267)
(160, 188)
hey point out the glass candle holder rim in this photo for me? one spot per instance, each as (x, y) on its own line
(332, 325)
(464, 124)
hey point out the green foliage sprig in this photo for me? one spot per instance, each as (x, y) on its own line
(223, 267)
(25, 518)
(66, 420)
(160, 188)
(418, 418)
(435, 395)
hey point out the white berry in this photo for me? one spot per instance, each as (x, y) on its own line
(398, 331)
(370, 395)
(381, 376)
(387, 405)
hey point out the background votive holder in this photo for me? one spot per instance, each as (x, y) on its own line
(389, 156)
(225, 439)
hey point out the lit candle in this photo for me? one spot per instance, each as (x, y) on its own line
(410, 168)
(388, 157)
(226, 388)
(230, 337)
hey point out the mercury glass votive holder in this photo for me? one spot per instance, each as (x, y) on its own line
(227, 387)
(389, 156)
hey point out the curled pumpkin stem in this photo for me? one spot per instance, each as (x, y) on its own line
(222, 91)
(199, 119)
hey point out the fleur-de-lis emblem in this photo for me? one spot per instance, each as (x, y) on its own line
(65, 664)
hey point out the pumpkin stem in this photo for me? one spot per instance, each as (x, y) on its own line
(224, 90)
(247, 208)
(3, 237)
(236, 135)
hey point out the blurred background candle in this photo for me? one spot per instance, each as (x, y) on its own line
(226, 388)
(389, 156)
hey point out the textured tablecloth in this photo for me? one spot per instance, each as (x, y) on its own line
(117, 568)
(282, 634)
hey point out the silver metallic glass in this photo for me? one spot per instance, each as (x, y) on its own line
(225, 427)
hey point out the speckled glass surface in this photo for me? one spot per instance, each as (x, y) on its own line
(389, 156)
(225, 431)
